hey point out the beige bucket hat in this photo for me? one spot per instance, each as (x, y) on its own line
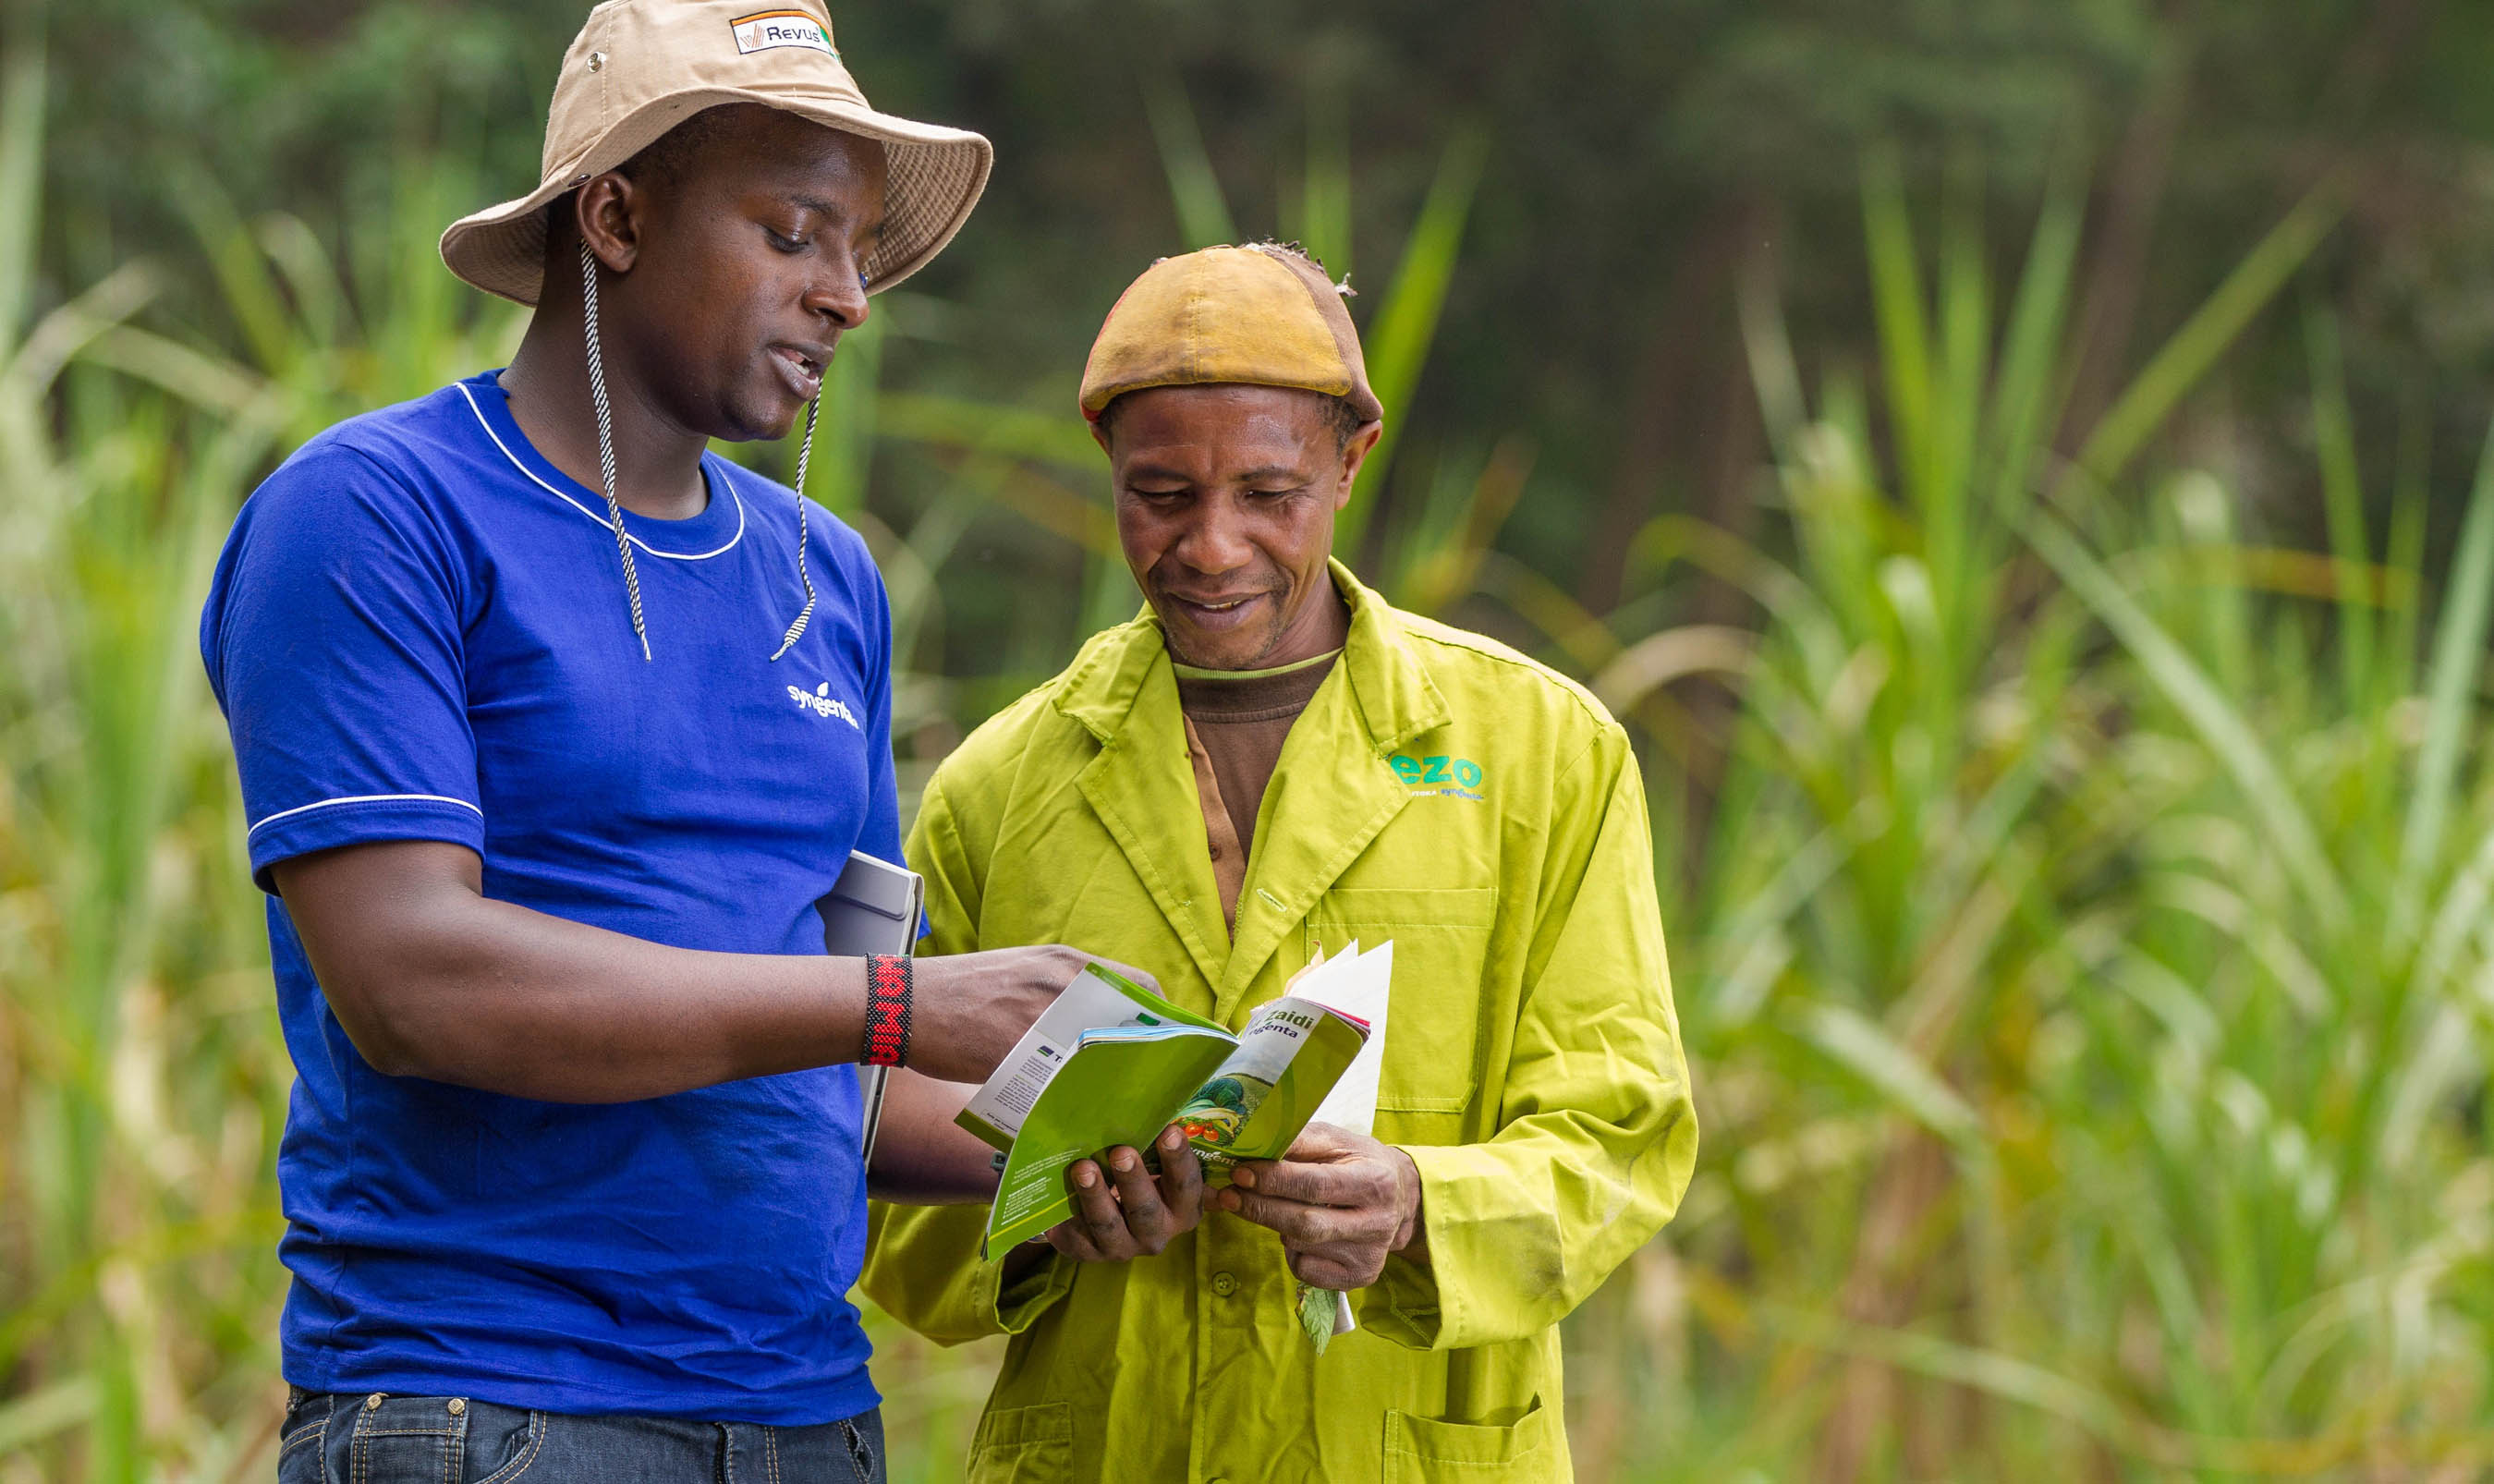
(641, 67)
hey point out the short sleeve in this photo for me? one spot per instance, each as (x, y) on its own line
(332, 637)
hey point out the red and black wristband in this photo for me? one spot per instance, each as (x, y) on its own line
(887, 1009)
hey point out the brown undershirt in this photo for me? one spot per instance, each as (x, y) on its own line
(1235, 724)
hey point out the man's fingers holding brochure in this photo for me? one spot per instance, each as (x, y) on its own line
(1096, 1214)
(1124, 1211)
(1332, 1267)
(1301, 1224)
(1339, 1200)
(1179, 1186)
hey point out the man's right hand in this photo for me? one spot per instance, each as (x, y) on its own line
(967, 1009)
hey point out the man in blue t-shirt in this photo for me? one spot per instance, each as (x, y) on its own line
(553, 729)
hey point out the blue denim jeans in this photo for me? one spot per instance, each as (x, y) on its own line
(334, 1439)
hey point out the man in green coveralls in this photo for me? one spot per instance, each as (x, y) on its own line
(1272, 761)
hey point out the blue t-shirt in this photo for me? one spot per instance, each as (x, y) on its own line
(418, 631)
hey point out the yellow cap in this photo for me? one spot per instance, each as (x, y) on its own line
(1262, 315)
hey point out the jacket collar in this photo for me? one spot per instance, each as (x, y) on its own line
(1395, 697)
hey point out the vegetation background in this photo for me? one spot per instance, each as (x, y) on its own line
(2013, 463)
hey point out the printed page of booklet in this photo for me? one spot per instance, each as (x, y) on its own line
(1357, 984)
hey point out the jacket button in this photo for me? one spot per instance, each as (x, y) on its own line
(458, 1407)
(1224, 1284)
(372, 1403)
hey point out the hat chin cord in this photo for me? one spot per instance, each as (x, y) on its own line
(606, 442)
(606, 472)
(804, 451)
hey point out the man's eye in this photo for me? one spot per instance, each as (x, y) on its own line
(1142, 494)
(1275, 493)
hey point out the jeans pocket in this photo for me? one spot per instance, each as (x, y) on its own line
(502, 1443)
(403, 1440)
(301, 1454)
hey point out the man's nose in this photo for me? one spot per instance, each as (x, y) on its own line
(838, 294)
(1215, 541)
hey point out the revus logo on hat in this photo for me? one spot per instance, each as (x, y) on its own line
(780, 28)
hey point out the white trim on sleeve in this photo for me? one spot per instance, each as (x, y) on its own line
(596, 516)
(363, 799)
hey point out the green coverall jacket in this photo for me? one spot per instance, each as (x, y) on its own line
(1486, 815)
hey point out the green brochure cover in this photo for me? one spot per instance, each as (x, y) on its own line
(1111, 1063)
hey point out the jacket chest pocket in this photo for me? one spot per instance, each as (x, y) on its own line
(1441, 939)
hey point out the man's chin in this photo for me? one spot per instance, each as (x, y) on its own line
(758, 419)
(1219, 650)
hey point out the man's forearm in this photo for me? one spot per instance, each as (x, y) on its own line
(490, 995)
(922, 1157)
(432, 979)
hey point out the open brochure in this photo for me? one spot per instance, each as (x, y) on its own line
(1359, 985)
(1111, 1063)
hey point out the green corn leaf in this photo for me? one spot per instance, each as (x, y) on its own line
(2204, 705)
(2022, 404)
(2458, 655)
(29, 1419)
(1774, 372)
(951, 422)
(1325, 198)
(1862, 1046)
(1204, 217)
(1398, 340)
(2185, 358)
(21, 170)
(2333, 431)
(850, 395)
(1897, 298)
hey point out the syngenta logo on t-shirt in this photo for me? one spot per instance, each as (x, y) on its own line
(822, 702)
(766, 29)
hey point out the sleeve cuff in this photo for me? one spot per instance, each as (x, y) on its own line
(361, 819)
(1406, 1305)
(1016, 1307)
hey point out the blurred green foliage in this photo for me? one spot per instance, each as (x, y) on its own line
(1639, 152)
(2007, 462)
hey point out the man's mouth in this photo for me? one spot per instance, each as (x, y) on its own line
(802, 368)
(1213, 612)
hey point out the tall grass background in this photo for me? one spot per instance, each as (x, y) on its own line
(2078, 908)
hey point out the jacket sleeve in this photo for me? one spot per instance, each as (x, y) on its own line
(921, 1264)
(1597, 1133)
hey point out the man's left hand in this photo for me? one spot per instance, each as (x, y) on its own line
(1341, 1201)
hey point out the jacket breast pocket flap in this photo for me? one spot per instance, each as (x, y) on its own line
(1442, 939)
(1023, 1444)
(1423, 1448)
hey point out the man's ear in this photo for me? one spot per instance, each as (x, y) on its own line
(608, 212)
(1355, 453)
(1100, 435)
